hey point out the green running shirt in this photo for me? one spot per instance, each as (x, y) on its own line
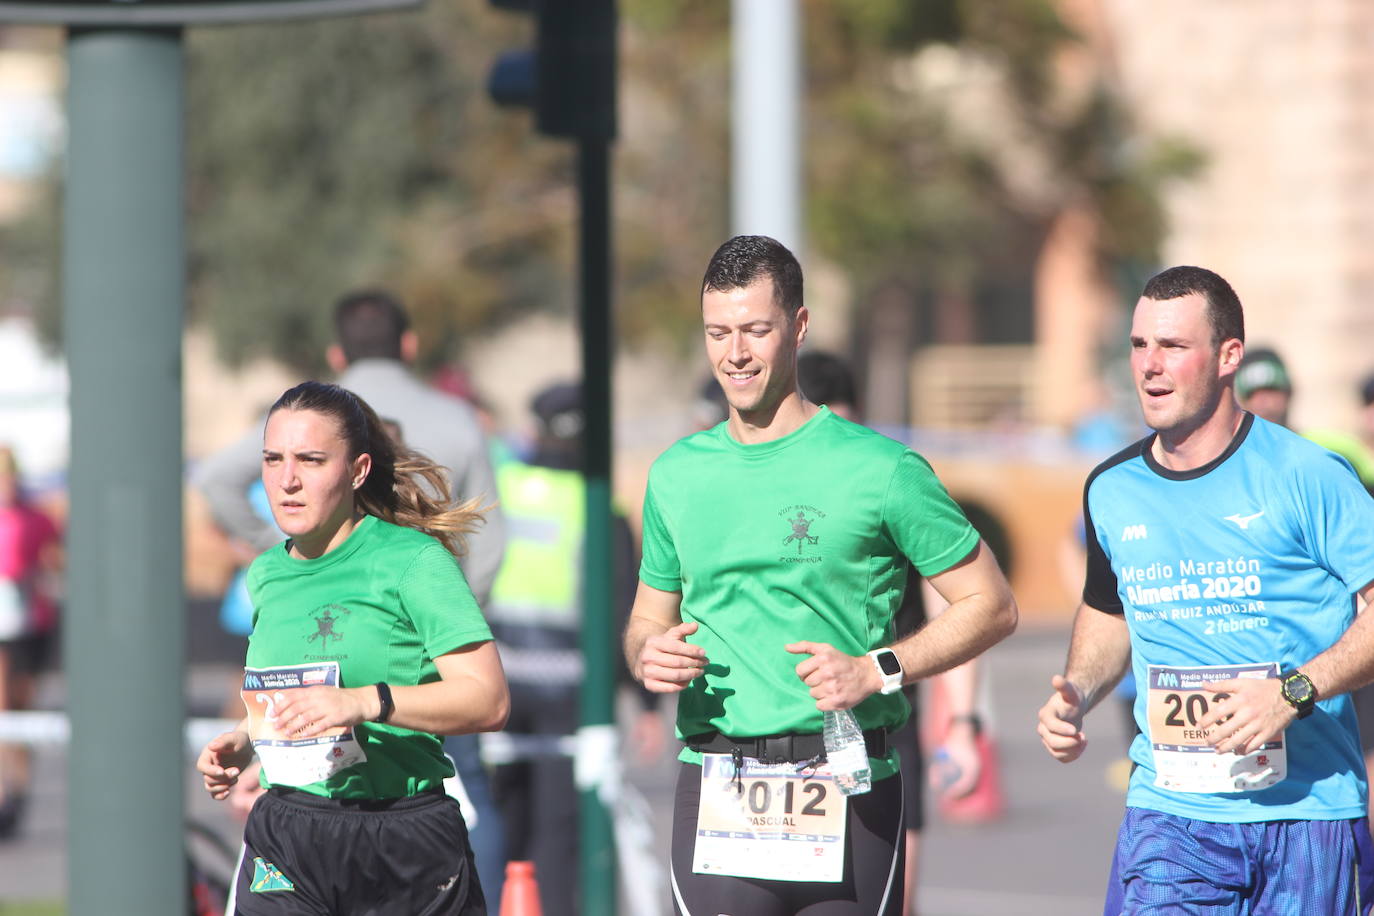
(383, 605)
(807, 537)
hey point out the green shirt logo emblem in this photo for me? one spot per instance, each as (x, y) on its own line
(324, 621)
(801, 531)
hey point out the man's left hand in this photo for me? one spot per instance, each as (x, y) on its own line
(1245, 713)
(837, 680)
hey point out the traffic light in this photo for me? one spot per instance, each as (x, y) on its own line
(569, 77)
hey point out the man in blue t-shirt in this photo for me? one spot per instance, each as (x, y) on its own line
(1226, 559)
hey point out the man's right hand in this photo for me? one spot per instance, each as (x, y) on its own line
(668, 663)
(1061, 721)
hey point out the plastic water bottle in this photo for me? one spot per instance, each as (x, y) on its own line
(846, 752)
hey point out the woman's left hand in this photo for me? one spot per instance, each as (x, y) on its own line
(307, 712)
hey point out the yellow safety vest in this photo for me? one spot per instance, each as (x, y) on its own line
(540, 580)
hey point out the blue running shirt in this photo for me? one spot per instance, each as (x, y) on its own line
(1252, 558)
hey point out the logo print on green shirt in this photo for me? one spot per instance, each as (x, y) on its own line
(267, 877)
(801, 531)
(325, 621)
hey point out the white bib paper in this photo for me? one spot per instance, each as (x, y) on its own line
(780, 822)
(1184, 761)
(295, 761)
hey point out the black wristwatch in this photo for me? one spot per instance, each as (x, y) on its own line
(1299, 691)
(387, 705)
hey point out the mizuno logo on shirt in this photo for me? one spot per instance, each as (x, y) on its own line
(1244, 520)
(1134, 533)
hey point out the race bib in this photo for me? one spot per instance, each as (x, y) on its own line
(1184, 762)
(295, 761)
(779, 822)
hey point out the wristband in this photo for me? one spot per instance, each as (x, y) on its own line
(388, 705)
(972, 718)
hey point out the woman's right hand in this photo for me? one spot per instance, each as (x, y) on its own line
(222, 760)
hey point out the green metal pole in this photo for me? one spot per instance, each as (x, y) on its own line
(598, 762)
(124, 629)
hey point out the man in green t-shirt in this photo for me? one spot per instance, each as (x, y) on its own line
(775, 553)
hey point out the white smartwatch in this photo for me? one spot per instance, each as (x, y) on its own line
(889, 669)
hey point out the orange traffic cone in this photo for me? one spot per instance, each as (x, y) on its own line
(520, 896)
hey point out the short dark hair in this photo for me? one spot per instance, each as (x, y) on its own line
(826, 379)
(1224, 313)
(745, 259)
(369, 324)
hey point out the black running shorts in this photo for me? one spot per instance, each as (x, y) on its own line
(304, 855)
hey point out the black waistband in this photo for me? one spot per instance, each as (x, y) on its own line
(311, 800)
(781, 748)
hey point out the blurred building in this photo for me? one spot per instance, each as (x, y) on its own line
(1278, 94)
(1274, 95)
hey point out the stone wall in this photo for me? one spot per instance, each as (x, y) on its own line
(1280, 95)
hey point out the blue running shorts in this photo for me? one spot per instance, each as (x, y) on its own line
(1176, 865)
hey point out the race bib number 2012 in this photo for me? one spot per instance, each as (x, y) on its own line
(779, 822)
(1184, 760)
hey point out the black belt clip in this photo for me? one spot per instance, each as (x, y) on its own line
(782, 749)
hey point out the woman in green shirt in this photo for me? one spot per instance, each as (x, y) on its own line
(367, 645)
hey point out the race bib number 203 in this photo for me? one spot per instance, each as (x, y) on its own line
(1184, 760)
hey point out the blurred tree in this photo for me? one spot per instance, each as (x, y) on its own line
(327, 154)
(362, 151)
(331, 153)
(945, 158)
(672, 163)
(380, 159)
(28, 265)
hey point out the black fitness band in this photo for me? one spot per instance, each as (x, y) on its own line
(972, 718)
(388, 705)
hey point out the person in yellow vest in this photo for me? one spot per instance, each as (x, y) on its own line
(1264, 388)
(536, 614)
(1356, 447)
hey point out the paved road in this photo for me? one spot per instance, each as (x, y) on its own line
(1048, 854)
